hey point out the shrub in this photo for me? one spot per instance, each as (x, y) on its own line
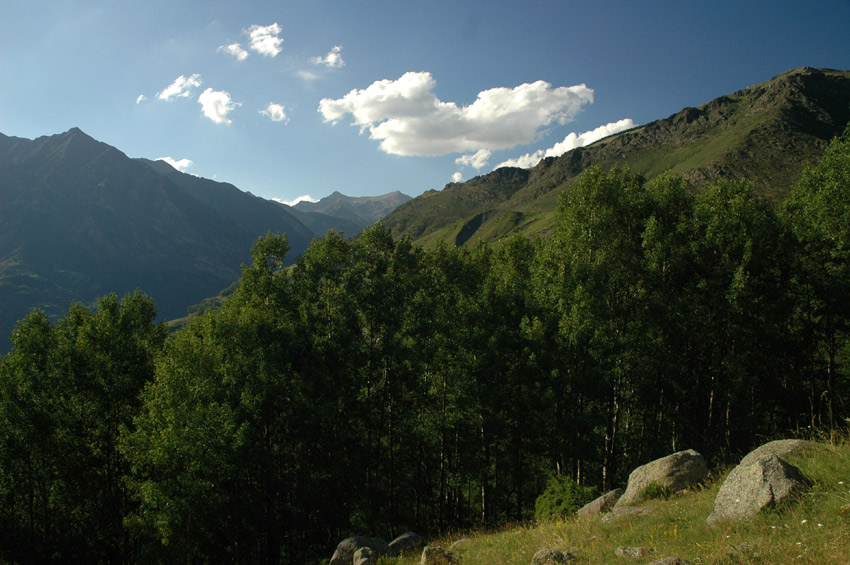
(562, 496)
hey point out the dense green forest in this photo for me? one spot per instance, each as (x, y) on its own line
(376, 386)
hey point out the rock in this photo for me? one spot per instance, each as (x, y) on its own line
(435, 555)
(364, 556)
(599, 506)
(765, 481)
(344, 554)
(408, 541)
(780, 448)
(460, 544)
(635, 552)
(550, 557)
(620, 511)
(675, 472)
(670, 561)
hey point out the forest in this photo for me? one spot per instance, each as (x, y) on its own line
(376, 386)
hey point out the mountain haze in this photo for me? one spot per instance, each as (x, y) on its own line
(768, 133)
(349, 214)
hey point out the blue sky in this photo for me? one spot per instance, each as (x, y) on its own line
(285, 99)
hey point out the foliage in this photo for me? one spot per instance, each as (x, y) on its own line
(562, 497)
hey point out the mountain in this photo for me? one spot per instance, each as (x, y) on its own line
(80, 219)
(348, 214)
(768, 133)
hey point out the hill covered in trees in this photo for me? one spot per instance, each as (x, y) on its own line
(378, 386)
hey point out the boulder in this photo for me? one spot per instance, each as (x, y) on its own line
(780, 448)
(600, 506)
(675, 472)
(365, 556)
(764, 481)
(460, 545)
(620, 511)
(551, 557)
(435, 555)
(408, 541)
(674, 560)
(345, 550)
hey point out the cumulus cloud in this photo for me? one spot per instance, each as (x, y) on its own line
(235, 50)
(141, 98)
(180, 88)
(180, 165)
(570, 142)
(275, 112)
(265, 40)
(333, 60)
(457, 177)
(216, 105)
(475, 160)
(408, 119)
(302, 198)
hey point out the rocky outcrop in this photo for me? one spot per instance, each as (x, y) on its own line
(345, 550)
(759, 482)
(675, 472)
(600, 505)
(781, 448)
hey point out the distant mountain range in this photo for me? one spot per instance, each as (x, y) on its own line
(767, 133)
(348, 214)
(80, 219)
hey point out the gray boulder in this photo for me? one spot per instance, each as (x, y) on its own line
(600, 506)
(435, 555)
(780, 448)
(345, 550)
(408, 541)
(460, 545)
(621, 511)
(364, 556)
(764, 481)
(551, 557)
(670, 561)
(676, 472)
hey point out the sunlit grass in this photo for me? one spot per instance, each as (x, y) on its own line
(814, 530)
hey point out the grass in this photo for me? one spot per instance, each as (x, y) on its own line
(815, 529)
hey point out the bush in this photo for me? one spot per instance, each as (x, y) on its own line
(562, 496)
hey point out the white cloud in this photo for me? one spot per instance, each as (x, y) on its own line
(235, 50)
(570, 142)
(275, 112)
(333, 60)
(180, 88)
(216, 104)
(475, 160)
(302, 198)
(141, 98)
(180, 165)
(408, 119)
(265, 40)
(308, 75)
(457, 177)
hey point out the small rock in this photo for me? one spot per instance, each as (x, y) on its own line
(621, 511)
(600, 506)
(435, 555)
(635, 552)
(550, 557)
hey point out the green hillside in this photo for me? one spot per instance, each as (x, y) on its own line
(767, 133)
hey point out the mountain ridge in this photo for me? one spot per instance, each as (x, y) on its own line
(767, 132)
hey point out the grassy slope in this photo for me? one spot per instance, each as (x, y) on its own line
(813, 530)
(767, 132)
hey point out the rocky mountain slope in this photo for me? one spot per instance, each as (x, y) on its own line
(767, 132)
(348, 214)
